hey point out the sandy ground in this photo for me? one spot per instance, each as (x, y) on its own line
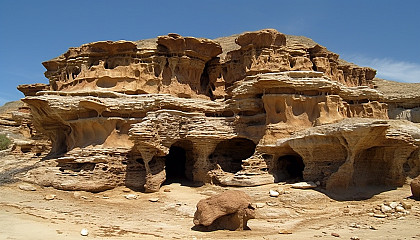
(305, 214)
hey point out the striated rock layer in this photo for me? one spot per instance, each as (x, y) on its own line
(182, 108)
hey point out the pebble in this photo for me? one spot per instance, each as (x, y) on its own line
(385, 209)
(260, 205)
(272, 204)
(284, 231)
(27, 187)
(355, 238)
(274, 193)
(335, 234)
(406, 205)
(50, 197)
(354, 225)
(393, 205)
(166, 190)
(153, 199)
(399, 209)
(379, 215)
(304, 185)
(84, 232)
(130, 196)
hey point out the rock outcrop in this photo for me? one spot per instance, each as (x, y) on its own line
(415, 187)
(16, 124)
(229, 210)
(403, 99)
(141, 113)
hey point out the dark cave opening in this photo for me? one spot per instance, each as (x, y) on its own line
(289, 168)
(206, 87)
(230, 153)
(179, 162)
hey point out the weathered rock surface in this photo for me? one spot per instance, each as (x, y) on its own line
(403, 99)
(263, 110)
(16, 124)
(229, 210)
(415, 187)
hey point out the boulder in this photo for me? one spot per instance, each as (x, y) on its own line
(229, 210)
(415, 188)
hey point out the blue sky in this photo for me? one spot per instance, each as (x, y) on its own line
(381, 34)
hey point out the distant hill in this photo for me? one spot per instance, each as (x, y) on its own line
(10, 106)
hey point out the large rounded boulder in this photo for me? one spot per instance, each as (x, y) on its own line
(229, 210)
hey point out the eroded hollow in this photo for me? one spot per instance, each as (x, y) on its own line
(179, 162)
(230, 153)
(289, 168)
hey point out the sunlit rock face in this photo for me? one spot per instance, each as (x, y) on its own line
(265, 108)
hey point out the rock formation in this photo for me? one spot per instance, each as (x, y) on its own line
(229, 210)
(16, 124)
(415, 188)
(269, 108)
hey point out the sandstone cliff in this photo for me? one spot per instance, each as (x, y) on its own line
(264, 108)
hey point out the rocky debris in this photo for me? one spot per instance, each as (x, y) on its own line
(391, 209)
(415, 187)
(27, 187)
(303, 185)
(229, 210)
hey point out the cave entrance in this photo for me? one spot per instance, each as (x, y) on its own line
(179, 162)
(289, 168)
(230, 153)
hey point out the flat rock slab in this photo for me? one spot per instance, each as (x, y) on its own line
(303, 185)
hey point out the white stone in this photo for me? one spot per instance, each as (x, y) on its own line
(393, 205)
(27, 187)
(260, 205)
(386, 209)
(274, 193)
(303, 185)
(153, 199)
(84, 232)
(399, 209)
(50, 197)
(130, 196)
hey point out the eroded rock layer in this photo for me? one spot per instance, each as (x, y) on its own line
(179, 108)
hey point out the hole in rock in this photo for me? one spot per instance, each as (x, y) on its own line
(179, 162)
(290, 168)
(230, 153)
